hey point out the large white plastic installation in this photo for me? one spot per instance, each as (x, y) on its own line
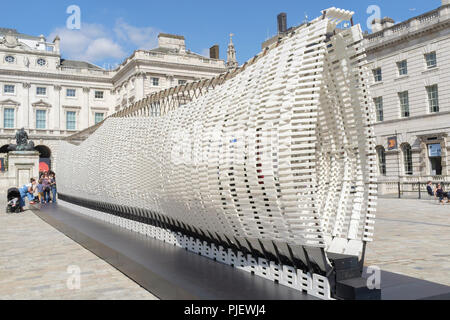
(282, 153)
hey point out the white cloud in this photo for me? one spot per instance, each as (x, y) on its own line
(91, 43)
(100, 48)
(141, 38)
(95, 43)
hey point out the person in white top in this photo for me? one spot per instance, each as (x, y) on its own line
(27, 191)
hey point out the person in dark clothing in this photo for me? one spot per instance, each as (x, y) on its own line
(430, 189)
(47, 188)
(441, 194)
(53, 186)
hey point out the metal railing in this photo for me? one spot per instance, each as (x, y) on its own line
(412, 190)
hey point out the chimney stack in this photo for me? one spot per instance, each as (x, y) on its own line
(387, 22)
(214, 52)
(381, 24)
(282, 23)
(57, 42)
(376, 25)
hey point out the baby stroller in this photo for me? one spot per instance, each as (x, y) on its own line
(13, 201)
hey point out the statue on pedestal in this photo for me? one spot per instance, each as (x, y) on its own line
(22, 142)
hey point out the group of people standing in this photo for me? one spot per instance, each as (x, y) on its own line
(46, 186)
(43, 191)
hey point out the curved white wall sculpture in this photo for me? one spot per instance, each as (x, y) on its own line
(284, 151)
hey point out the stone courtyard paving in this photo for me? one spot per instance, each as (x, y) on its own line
(412, 237)
(34, 261)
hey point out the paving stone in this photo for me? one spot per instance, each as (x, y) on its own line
(34, 258)
(412, 237)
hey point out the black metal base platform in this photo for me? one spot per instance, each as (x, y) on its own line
(168, 272)
(171, 273)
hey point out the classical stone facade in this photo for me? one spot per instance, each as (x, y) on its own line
(411, 90)
(169, 65)
(52, 97)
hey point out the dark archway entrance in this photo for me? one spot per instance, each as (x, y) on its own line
(4, 149)
(45, 155)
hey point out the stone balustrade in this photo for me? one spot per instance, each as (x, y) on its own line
(412, 179)
(415, 24)
(77, 71)
(175, 58)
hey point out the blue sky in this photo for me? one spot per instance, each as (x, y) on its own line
(112, 30)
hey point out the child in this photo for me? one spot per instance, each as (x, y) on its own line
(46, 185)
(40, 190)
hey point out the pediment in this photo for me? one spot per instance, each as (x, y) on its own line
(9, 102)
(100, 108)
(10, 41)
(72, 107)
(41, 104)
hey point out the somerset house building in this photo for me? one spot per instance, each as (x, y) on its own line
(52, 97)
(411, 91)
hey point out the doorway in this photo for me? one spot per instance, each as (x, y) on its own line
(435, 156)
(45, 162)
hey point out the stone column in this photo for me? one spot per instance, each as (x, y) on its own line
(85, 114)
(28, 111)
(139, 86)
(57, 121)
(170, 80)
(423, 165)
(444, 155)
(127, 93)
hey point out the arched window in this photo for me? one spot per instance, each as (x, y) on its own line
(407, 159)
(381, 160)
(44, 152)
